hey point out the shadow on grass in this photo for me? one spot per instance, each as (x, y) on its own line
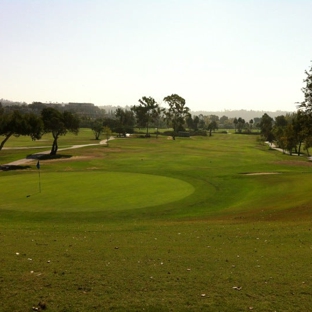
(47, 156)
(12, 167)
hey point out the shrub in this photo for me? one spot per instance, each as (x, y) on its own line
(199, 133)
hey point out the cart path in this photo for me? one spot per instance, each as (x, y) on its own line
(273, 146)
(31, 158)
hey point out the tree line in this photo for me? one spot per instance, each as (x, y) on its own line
(290, 131)
(149, 114)
(33, 120)
(144, 115)
(17, 123)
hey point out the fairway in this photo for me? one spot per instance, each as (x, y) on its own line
(90, 191)
(158, 225)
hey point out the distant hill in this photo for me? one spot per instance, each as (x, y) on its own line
(5, 102)
(245, 114)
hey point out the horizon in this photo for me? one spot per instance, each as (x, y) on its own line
(230, 113)
(219, 56)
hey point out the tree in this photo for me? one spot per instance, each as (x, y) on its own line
(201, 122)
(37, 106)
(306, 104)
(301, 128)
(308, 144)
(124, 121)
(145, 112)
(189, 122)
(228, 123)
(110, 122)
(15, 123)
(195, 123)
(280, 121)
(304, 114)
(257, 121)
(235, 123)
(266, 125)
(251, 123)
(212, 126)
(240, 124)
(289, 140)
(108, 132)
(223, 119)
(279, 130)
(192, 122)
(214, 118)
(177, 113)
(58, 124)
(97, 128)
(157, 116)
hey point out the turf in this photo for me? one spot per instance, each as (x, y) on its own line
(197, 232)
(90, 191)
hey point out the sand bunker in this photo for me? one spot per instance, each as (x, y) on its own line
(260, 173)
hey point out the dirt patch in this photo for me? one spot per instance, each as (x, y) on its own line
(260, 173)
(73, 158)
(297, 213)
(294, 163)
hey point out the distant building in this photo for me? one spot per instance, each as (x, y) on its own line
(88, 110)
(53, 105)
(80, 105)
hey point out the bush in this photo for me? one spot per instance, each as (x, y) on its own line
(168, 133)
(199, 133)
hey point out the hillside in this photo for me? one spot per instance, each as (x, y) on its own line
(245, 114)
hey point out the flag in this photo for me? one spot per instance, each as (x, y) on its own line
(38, 165)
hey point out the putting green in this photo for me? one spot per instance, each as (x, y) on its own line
(89, 191)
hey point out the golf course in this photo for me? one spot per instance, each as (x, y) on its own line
(220, 223)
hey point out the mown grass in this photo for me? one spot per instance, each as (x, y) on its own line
(84, 191)
(237, 242)
(23, 146)
(85, 136)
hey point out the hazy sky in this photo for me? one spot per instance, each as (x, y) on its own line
(217, 54)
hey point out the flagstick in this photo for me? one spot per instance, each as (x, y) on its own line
(39, 182)
(38, 167)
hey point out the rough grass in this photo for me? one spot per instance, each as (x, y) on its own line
(237, 243)
(163, 266)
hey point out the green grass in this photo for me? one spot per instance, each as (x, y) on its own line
(90, 191)
(158, 225)
(85, 136)
(24, 146)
